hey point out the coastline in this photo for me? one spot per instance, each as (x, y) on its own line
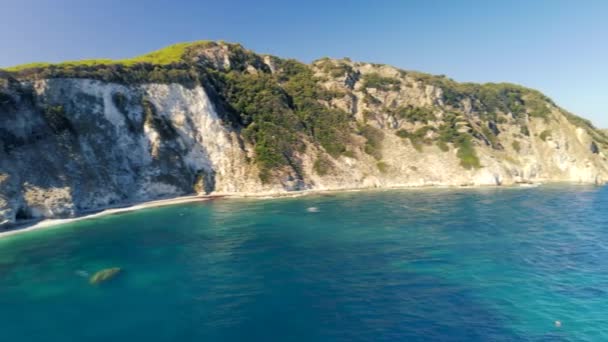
(47, 223)
(29, 226)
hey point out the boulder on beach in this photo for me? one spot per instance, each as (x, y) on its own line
(104, 275)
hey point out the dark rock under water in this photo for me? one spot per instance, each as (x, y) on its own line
(413, 265)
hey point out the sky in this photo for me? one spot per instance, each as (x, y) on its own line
(559, 47)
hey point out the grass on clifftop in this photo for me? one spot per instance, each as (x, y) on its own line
(168, 55)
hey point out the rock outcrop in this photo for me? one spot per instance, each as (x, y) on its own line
(222, 119)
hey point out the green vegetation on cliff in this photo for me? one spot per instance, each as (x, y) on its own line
(376, 81)
(466, 153)
(174, 64)
(449, 133)
(413, 114)
(169, 55)
(334, 69)
(373, 140)
(544, 135)
(418, 138)
(277, 110)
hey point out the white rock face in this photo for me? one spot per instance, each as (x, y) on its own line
(116, 144)
(208, 144)
(110, 156)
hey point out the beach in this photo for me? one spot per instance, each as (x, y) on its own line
(32, 225)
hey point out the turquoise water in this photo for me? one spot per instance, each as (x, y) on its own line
(413, 265)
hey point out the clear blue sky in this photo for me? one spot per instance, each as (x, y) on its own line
(559, 47)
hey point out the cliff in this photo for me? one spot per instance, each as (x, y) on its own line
(212, 117)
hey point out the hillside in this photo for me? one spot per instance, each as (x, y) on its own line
(213, 117)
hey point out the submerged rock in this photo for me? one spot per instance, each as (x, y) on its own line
(104, 275)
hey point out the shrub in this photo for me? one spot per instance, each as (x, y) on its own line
(466, 153)
(368, 115)
(335, 69)
(57, 120)
(374, 80)
(597, 134)
(516, 146)
(262, 106)
(448, 133)
(328, 126)
(491, 137)
(544, 135)
(161, 124)
(413, 114)
(349, 154)
(538, 108)
(369, 99)
(373, 144)
(6, 101)
(382, 167)
(120, 101)
(487, 98)
(443, 146)
(279, 110)
(417, 138)
(322, 166)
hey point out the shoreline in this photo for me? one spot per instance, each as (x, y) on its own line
(29, 226)
(33, 225)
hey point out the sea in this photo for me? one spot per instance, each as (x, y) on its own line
(487, 264)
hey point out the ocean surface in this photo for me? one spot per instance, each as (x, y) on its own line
(404, 265)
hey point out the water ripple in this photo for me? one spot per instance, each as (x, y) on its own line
(412, 265)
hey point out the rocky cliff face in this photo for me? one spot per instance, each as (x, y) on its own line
(222, 119)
